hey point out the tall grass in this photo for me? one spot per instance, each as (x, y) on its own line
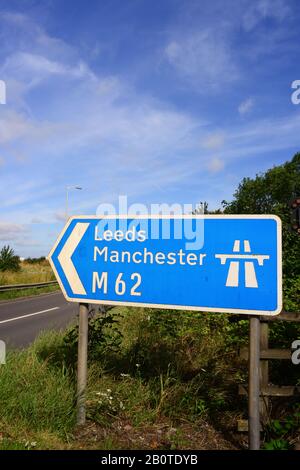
(29, 273)
(171, 370)
(34, 397)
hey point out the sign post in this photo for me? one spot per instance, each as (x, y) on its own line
(82, 362)
(254, 385)
(209, 263)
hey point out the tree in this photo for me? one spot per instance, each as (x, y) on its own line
(201, 208)
(8, 260)
(271, 193)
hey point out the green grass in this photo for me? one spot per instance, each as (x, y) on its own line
(7, 444)
(176, 373)
(15, 294)
(152, 379)
(35, 400)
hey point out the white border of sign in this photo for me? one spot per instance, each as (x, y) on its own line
(180, 307)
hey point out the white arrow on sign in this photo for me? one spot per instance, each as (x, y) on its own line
(65, 255)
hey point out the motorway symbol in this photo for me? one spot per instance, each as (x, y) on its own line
(193, 262)
(233, 272)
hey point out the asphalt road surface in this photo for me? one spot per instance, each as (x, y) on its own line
(22, 320)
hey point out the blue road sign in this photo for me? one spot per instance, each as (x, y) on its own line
(193, 262)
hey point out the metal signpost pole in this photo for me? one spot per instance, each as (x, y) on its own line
(82, 362)
(254, 386)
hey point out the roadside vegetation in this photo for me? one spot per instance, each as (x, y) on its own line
(158, 379)
(29, 271)
(9, 261)
(28, 292)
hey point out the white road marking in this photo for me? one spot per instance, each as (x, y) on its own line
(250, 276)
(233, 274)
(29, 315)
(247, 248)
(236, 246)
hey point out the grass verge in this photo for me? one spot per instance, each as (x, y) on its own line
(15, 294)
(37, 402)
(157, 380)
(29, 273)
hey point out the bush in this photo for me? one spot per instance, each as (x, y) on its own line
(104, 340)
(187, 360)
(8, 260)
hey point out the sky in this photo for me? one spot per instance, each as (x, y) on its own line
(169, 101)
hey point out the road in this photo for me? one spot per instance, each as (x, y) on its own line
(22, 320)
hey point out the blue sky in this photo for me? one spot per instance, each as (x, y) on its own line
(163, 101)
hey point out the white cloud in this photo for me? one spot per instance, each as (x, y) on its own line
(214, 141)
(37, 220)
(215, 165)
(260, 10)
(13, 125)
(205, 46)
(36, 67)
(114, 138)
(17, 126)
(246, 106)
(27, 242)
(11, 231)
(204, 58)
(22, 31)
(60, 216)
(262, 137)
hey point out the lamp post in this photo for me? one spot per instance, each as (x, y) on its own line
(67, 198)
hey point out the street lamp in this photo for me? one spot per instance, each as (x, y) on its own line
(67, 198)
